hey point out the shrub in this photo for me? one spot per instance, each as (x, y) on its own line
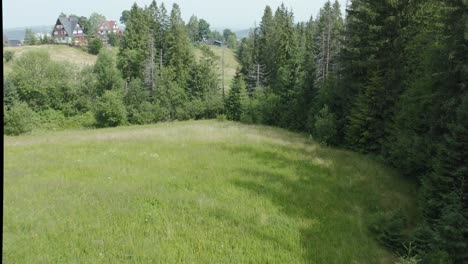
(8, 55)
(19, 119)
(145, 113)
(110, 110)
(95, 45)
(195, 108)
(221, 118)
(51, 119)
(41, 82)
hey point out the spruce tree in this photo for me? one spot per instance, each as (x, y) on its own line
(237, 99)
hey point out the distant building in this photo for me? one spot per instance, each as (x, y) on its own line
(67, 30)
(14, 43)
(42, 35)
(214, 42)
(106, 28)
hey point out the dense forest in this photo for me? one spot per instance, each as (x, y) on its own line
(387, 79)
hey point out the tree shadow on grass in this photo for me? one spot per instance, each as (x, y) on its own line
(305, 190)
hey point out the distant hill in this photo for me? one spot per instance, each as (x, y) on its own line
(18, 33)
(242, 33)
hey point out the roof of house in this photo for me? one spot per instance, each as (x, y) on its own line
(69, 23)
(109, 24)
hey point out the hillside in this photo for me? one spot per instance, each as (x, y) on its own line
(192, 192)
(57, 53)
(79, 57)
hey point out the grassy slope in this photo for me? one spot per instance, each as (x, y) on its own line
(57, 52)
(191, 192)
(79, 57)
(230, 63)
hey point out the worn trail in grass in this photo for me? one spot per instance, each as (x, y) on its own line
(191, 192)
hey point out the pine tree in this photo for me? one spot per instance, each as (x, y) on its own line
(134, 45)
(179, 54)
(237, 99)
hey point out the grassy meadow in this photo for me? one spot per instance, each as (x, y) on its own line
(191, 192)
(60, 53)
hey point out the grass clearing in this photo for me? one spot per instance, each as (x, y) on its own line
(59, 53)
(191, 192)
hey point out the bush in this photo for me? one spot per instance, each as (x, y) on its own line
(110, 110)
(19, 119)
(52, 119)
(95, 45)
(145, 113)
(8, 55)
(221, 118)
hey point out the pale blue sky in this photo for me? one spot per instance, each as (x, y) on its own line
(234, 14)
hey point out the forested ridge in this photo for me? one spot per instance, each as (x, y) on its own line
(388, 79)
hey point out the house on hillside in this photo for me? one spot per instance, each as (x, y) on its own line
(67, 30)
(214, 42)
(106, 28)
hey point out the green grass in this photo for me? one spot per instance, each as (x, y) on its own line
(59, 53)
(191, 192)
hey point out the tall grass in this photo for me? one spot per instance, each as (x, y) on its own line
(191, 192)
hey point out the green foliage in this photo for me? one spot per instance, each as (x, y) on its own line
(110, 110)
(216, 36)
(221, 118)
(171, 97)
(95, 45)
(366, 127)
(113, 39)
(204, 80)
(194, 29)
(8, 55)
(237, 100)
(10, 94)
(232, 41)
(145, 113)
(30, 38)
(389, 229)
(41, 82)
(85, 25)
(54, 120)
(93, 22)
(324, 126)
(108, 77)
(19, 119)
(133, 48)
(203, 29)
(226, 33)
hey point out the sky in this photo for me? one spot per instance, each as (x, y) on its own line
(233, 14)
